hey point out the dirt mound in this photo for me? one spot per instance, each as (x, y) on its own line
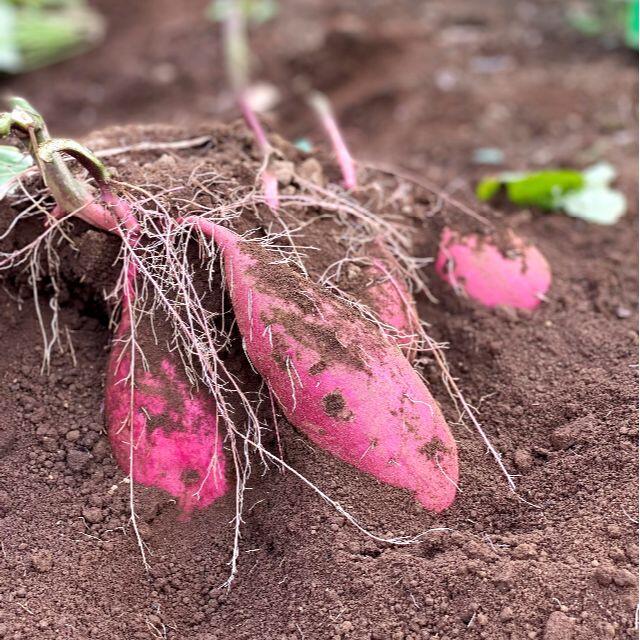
(556, 403)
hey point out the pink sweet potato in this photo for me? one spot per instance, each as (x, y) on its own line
(389, 298)
(337, 379)
(519, 277)
(176, 443)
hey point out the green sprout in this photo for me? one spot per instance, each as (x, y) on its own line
(581, 194)
(25, 124)
(612, 20)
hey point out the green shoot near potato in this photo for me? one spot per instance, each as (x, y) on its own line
(12, 163)
(614, 21)
(581, 194)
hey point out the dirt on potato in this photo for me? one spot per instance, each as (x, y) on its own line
(422, 85)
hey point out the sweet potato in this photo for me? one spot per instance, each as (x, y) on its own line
(518, 278)
(388, 296)
(160, 433)
(337, 380)
(176, 443)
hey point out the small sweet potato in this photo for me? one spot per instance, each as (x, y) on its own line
(162, 432)
(337, 379)
(517, 276)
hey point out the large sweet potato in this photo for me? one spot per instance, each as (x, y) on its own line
(337, 379)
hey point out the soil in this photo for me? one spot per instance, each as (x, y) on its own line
(422, 86)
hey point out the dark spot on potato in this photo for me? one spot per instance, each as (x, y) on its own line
(432, 448)
(336, 407)
(411, 427)
(313, 333)
(317, 368)
(190, 476)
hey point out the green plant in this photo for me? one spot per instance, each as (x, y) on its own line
(582, 194)
(614, 20)
(12, 163)
(36, 33)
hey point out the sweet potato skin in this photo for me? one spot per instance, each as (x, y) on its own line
(177, 446)
(388, 296)
(475, 265)
(350, 390)
(177, 443)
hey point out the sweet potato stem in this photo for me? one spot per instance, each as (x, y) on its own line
(73, 196)
(237, 58)
(322, 107)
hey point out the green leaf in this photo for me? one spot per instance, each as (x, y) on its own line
(611, 20)
(489, 187)
(37, 33)
(586, 23)
(585, 194)
(9, 52)
(540, 189)
(631, 24)
(596, 204)
(12, 163)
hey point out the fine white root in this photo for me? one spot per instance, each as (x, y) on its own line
(133, 347)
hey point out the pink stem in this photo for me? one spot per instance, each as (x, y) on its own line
(270, 187)
(121, 210)
(236, 53)
(321, 106)
(269, 180)
(253, 123)
(104, 217)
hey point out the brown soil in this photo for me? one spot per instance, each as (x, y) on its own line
(423, 85)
